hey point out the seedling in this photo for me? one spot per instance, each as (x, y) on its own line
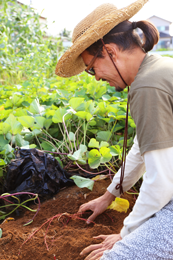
(19, 204)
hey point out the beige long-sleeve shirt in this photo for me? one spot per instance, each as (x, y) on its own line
(157, 187)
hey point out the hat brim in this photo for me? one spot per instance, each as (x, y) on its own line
(71, 63)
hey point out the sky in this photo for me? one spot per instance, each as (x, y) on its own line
(62, 14)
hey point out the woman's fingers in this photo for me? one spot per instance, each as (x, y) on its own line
(96, 254)
(90, 248)
(100, 237)
(96, 251)
(89, 206)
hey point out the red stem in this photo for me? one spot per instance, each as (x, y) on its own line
(90, 172)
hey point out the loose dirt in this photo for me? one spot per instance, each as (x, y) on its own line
(66, 237)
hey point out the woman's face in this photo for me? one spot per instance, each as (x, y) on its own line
(104, 70)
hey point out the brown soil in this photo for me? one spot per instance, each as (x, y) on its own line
(66, 237)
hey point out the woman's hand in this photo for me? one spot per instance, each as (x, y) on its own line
(98, 249)
(98, 205)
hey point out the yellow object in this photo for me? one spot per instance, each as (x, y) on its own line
(99, 177)
(7, 220)
(120, 205)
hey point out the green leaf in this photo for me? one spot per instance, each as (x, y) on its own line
(76, 156)
(47, 123)
(4, 128)
(27, 121)
(58, 116)
(112, 115)
(3, 142)
(16, 127)
(115, 150)
(93, 143)
(7, 148)
(2, 162)
(0, 232)
(39, 122)
(75, 102)
(35, 107)
(36, 132)
(94, 158)
(71, 136)
(106, 155)
(100, 93)
(83, 148)
(20, 141)
(82, 182)
(103, 135)
(79, 155)
(47, 146)
(104, 144)
(60, 162)
(84, 115)
(32, 146)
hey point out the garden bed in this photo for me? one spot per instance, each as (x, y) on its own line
(67, 235)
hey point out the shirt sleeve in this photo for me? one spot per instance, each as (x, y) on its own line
(156, 190)
(134, 169)
(152, 111)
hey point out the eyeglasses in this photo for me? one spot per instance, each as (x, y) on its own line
(89, 68)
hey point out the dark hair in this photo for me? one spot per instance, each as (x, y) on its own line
(126, 38)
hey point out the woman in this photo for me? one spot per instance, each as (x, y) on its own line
(106, 45)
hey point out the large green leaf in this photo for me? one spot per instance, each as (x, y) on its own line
(75, 102)
(21, 142)
(47, 146)
(39, 122)
(4, 128)
(84, 115)
(93, 143)
(72, 136)
(27, 121)
(79, 155)
(3, 142)
(94, 158)
(47, 123)
(115, 150)
(15, 126)
(103, 135)
(2, 162)
(106, 155)
(59, 114)
(35, 107)
(82, 182)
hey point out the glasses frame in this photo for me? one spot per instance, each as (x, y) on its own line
(89, 69)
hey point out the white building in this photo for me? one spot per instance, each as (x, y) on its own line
(164, 28)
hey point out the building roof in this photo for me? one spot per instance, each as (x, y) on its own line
(159, 18)
(164, 35)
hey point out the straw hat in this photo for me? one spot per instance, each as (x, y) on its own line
(93, 27)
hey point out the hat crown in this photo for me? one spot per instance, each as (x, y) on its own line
(93, 17)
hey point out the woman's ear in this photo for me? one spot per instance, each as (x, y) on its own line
(111, 49)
